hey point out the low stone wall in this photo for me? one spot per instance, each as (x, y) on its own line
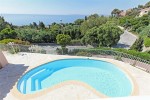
(3, 60)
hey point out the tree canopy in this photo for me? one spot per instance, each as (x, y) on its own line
(7, 33)
(138, 45)
(63, 39)
(105, 35)
(115, 12)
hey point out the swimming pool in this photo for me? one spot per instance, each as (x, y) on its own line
(102, 76)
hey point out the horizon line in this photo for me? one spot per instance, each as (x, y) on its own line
(51, 14)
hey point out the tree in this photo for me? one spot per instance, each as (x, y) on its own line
(91, 37)
(63, 39)
(145, 31)
(7, 33)
(41, 25)
(31, 26)
(133, 12)
(93, 16)
(115, 12)
(148, 13)
(79, 21)
(147, 4)
(85, 18)
(106, 35)
(92, 22)
(4, 24)
(140, 6)
(35, 25)
(24, 34)
(73, 31)
(2, 20)
(148, 35)
(138, 45)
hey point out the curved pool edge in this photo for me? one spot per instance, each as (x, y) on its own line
(135, 89)
(119, 64)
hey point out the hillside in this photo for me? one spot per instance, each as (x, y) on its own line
(94, 30)
(136, 12)
(137, 21)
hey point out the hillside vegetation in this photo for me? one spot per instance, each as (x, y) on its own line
(95, 30)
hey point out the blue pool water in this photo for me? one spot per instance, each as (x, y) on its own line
(102, 76)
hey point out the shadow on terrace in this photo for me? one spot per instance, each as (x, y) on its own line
(9, 75)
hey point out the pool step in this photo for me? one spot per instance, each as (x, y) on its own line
(33, 82)
(36, 80)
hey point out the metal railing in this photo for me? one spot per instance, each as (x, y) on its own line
(127, 58)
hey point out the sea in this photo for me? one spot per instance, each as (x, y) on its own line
(26, 19)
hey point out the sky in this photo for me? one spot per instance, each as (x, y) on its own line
(65, 7)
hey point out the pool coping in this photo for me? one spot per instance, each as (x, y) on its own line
(135, 90)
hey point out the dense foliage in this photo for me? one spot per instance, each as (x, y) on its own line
(4, 24)
(106, 35)
(93, 21)
(131, 54)
(82, 53)
(82, 29)
(137, 24)
(95, 30)
(36, 36)
(115, 13)
(7, 33)
(63, 39)
(6, 41)
(147, 42)
(138, 45)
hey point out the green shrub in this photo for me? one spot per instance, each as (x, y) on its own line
(73, 52)
(148, 51)
(6, 41)
(14, 49)
(138, 45)
(148, 35)
(142, 55)
(132, 54)
(84, 54)
(76, 42)
(63, 39)
(62, 51)
(147, 42)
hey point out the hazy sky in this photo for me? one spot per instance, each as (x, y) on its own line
(59, 7)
